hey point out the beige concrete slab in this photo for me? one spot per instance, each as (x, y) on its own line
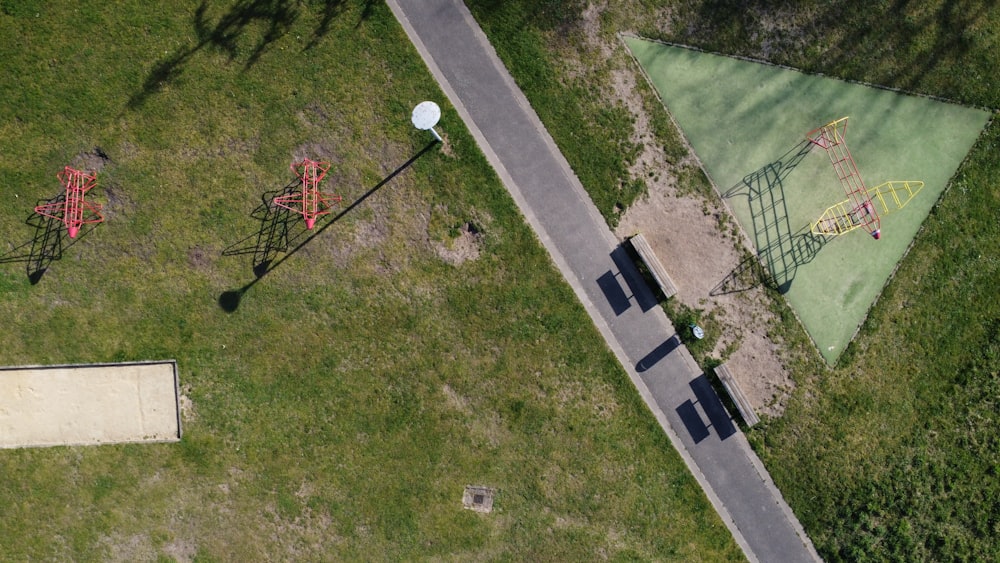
(89, 404)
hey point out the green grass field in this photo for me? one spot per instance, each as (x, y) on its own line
(747, 123)
(893, 453)
(337, 410)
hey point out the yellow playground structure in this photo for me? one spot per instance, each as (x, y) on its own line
(863, 206)
(883, 199)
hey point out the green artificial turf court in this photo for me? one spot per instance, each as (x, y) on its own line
(747, 123)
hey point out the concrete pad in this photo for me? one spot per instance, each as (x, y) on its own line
(90, 404)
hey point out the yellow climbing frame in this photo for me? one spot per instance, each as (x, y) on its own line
(843, 217)
(829, 135)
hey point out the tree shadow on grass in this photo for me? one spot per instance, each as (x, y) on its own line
(46, 246)
(916, 41)
(229, 301)
(561, 16)
(278, 16)
(780, 251)
(330, 10)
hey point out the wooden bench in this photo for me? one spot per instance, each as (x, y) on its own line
(653, 264)
(742, 404)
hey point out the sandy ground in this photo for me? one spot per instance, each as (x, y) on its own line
(699, 258)
(85, 405)
(695, 240)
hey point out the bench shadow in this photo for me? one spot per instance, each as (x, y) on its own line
(613, 291)
(780, 249)
(641, 291)
(47, 244)
(278, 228)
(692, 421)
(711, 404)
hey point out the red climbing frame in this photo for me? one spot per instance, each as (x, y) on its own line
(73, 210)
(832, 138)
(309, 202)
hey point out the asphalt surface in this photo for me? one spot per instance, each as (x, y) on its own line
(603, 277)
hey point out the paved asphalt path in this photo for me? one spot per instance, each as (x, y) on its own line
(604, 279)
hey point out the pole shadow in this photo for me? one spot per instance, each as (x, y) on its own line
(780, 250)
(658, 353)
(46, 245)
(229, 301)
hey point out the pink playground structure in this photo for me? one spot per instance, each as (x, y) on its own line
(73, 210)
(309, 201)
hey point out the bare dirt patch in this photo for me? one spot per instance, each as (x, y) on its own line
(119, 202)
(181, 550)
(188, 413)
(91, 161)
(464, 247)
(231, 148)
(698, 257)
(199, 258)
(446, 146)
(321, 150)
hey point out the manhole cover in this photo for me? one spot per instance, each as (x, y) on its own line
(478, 498)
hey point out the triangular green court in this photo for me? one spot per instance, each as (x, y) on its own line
(747, 122)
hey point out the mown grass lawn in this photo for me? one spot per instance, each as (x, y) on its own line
(341, 405)
(892, 454)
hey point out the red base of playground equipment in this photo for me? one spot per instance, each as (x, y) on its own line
(73, 210)
(309, 202)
